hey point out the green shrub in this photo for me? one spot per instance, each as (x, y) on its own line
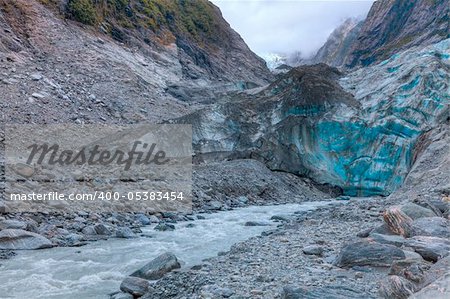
(82, 11)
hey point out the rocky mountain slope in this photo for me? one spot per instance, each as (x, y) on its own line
(206, 44)
(57, 70)
(394, 25)
(390, 26)
(339, 44)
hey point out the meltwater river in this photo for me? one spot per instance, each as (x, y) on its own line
(97, 269)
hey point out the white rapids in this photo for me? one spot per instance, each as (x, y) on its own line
(97, 269)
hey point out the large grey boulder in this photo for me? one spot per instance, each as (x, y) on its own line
(366, 253)
(125, 232)
(98, 229)
(431, 226)
(17, 239)
(135, 286)
(415, 211)
(156, 269)
(12, 224)
(430, 248)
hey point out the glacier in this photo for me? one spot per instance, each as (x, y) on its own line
(360, 131)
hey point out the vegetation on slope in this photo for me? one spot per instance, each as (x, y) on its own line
(197, 19)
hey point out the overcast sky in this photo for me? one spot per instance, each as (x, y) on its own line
(284, 26)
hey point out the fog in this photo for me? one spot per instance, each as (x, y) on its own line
(282, 26)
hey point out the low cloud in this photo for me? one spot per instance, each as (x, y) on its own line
(282, 26)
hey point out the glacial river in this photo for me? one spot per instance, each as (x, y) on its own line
(97, 269)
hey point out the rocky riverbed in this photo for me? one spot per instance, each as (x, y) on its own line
(342, 251)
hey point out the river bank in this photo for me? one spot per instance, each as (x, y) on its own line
(98, 268)
(344, 250)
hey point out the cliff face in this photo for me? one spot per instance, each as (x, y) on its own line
(339, 44)
(394, 25)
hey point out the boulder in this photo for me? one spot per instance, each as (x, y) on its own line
(24, 170)
(396, 287)
(430, 248)
(3, 208)
(397, 221)
(102, 229)
(431, 226)
(215, 291)
(414, 211)
(436, 282)
(214, 205)
(153, 219)
(364, 253)
(256, 223)
(382, 229)
(313, 250)
(135, 286)
(156, 268)
(436, 271)
(12, 224)
(412, 256)
(364, 233)
(121, 295)
(438, 289)
(125, 232)
(17, 239)
(73, 238)
(438, 205)
(388, 239)
(164, 227)
(142, 219)
(89, 230)
(412, 270)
